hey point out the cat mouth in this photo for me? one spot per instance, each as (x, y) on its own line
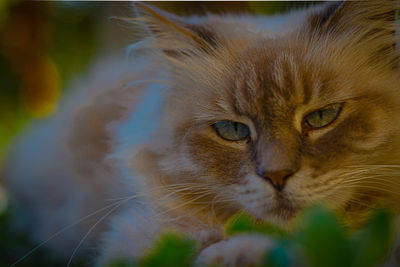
(283, 210)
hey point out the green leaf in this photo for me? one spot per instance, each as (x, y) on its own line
(280, 256)
(171, 250)
(373, 242)
(324, 239)
(242, 222)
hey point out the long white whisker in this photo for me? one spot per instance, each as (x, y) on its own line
(183, 186)
(60, 232)
(93, 226)
(183, 204)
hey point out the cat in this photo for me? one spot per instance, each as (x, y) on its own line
(219, 114)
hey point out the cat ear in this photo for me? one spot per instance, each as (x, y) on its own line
(373, 22)
(347, 15)
(175, 35)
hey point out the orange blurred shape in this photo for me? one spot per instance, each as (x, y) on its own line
(40, 86)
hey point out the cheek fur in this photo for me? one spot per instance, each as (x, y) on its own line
(221, 161)
(349, 141)
(254, 194)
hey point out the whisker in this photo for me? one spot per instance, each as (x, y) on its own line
(183, 204)
(372, 182)
(60, 232)
(373, 188)
(369, 173)
(93, 226)
(183, 186)
(93, 214)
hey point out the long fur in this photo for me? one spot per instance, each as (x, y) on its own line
(173, 171)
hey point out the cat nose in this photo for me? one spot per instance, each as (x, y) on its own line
(276, 178)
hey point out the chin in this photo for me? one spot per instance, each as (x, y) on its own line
(282, 217)
(280, 212)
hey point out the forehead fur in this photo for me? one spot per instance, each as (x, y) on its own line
(246, 71)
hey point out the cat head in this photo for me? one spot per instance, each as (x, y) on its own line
(271, 117)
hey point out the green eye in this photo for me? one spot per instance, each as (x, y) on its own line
(324, 116)
(231, 130)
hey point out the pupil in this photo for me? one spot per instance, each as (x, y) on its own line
(320, 114)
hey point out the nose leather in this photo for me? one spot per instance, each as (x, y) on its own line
(277, 158)
(276, 178)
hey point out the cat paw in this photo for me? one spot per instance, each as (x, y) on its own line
(241, 250)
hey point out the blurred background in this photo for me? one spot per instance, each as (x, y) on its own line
(45, 46)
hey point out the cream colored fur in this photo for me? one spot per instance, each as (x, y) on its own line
(159, 166)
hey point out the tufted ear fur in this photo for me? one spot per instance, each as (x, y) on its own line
(174, 35)
(370, 22)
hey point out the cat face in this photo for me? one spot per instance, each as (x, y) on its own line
(272, 125)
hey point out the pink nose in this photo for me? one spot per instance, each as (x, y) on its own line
(277, 178)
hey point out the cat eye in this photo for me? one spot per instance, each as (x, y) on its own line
(231, 130)
(323, 117)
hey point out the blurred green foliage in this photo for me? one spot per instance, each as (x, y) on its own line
(43, 45)
(74, 36)
(320, 240)
(4, 4)
(242, 223)
(324, 240)
(171, 250)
